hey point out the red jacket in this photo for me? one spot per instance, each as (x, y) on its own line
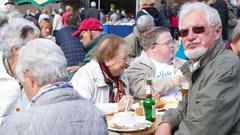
(174, 22)
(64, 18)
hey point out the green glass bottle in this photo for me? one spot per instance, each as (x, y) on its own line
(149, 103)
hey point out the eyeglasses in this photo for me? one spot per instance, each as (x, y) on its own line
(170, 43)
(195, 30)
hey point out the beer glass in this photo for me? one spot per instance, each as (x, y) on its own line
(184, 88)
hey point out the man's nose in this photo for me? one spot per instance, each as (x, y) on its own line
(191, 36)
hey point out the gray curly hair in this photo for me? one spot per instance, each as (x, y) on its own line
(16, 33)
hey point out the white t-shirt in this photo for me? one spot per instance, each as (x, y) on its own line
(57, 22)
(163, 70)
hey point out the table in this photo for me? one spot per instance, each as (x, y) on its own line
(119, 30)
(148, 131)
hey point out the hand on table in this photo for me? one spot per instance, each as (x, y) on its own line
(163, 129)
(125, 100)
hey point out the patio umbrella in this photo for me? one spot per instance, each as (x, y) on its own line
(39, 3)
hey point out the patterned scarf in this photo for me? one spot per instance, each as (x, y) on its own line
(113, 82)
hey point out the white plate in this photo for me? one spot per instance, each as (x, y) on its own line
(140, 127)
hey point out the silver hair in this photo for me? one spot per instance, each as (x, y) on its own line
(93, 4)
(44, 59)
(212, 15)
(16, 33)
(143, 22)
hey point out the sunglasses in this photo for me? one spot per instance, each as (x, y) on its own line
(195, 30)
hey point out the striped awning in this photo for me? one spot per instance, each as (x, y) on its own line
(35, 2)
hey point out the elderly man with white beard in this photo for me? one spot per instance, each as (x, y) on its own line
(211, 106)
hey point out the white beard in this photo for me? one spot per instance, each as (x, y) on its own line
(195, 53)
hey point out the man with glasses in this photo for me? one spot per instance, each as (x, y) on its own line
(211, 105)
(155, 62)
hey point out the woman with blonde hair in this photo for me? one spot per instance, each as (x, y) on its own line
(147, 8)
(46, 29)
(147, 2)
(103, 80)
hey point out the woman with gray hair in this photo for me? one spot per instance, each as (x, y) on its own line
(12, 37)
(53, 101)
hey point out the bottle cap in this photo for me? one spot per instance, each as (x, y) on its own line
(149, 81)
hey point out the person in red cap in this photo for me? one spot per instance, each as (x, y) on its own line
(90, 33)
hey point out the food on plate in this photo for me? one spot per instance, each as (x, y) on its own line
(128, 121)
(124, 119)
(139, 111)
(160, 104)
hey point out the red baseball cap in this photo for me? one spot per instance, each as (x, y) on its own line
(91, 24)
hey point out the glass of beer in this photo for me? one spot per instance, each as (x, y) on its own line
(184, 88)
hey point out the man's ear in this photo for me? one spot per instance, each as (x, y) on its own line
(218, 31)
(15, 50)
(151, 49)
(91, 35)
(27, 73)
(28, 76)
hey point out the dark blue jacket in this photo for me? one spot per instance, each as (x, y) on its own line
(71, 46)
(93, 13)
(221, 7)
(153, 12)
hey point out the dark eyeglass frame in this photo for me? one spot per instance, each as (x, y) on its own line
(195, 30)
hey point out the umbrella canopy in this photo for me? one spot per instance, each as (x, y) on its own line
(36, 2)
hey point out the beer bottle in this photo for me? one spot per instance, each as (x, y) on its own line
(149, 103)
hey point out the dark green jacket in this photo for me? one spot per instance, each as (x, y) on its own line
(133, 42)
(212, 104)
(90, 48)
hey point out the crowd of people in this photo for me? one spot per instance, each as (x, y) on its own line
(62, 75)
